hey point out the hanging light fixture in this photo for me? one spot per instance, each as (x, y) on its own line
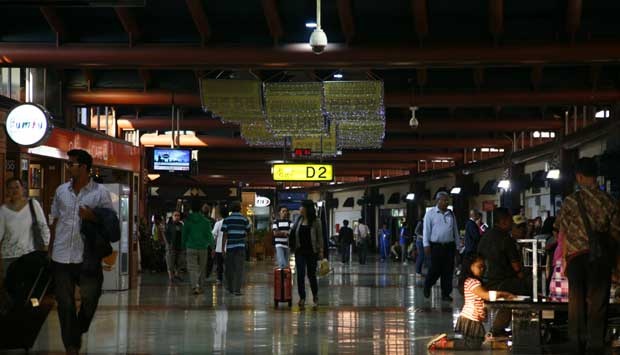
(413, 121)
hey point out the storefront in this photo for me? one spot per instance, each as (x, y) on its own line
(116, 164)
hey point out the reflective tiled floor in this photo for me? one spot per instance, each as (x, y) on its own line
(378, 308)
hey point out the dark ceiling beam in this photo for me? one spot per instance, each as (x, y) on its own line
(272, 16)
(55, 22)
(420, 18)
(130, 24)
(435, 143)
(347, 23)
(392, 99)
(251, 166)
(496, 19)
(595, 74)
(301, 56)
(360, 156)
(199, 15)
(393, 124)
(573, 17)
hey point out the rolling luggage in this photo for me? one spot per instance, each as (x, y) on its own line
(282, 286)
(20, 326)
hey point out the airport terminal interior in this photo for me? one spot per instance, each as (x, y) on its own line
(378, 142)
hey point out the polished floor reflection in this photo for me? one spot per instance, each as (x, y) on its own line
(377, 308)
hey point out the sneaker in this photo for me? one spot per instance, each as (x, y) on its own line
(437, 342)
(218, 282)
(315, 301)
(238, 293)
(301, 303)
(405, 263)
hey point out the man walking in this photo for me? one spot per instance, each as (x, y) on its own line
(281, 229)
(174, 247)
(590, 221)
(361, 236)
(198, 242)
(345, 235)
(73, 203)
(472, 232)
(235, 228)
(441, 235)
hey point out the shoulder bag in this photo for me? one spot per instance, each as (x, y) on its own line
(598, 241)
(36, 229)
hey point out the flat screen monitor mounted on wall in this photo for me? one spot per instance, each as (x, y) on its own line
(171, 160)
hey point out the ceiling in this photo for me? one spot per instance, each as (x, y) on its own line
(479, 70)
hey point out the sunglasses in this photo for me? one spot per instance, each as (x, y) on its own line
(70, 163)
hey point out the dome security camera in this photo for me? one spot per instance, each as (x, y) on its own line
(318, 41)
(413, 121)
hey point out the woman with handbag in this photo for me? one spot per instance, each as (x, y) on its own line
(22, 224)
(307, 244)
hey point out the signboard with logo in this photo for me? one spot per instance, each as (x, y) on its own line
(303, 172)
(261, 201)
(28, 125)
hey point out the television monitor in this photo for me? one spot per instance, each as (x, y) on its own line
(171, 160)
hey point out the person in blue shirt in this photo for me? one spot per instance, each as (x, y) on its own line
(441, 236)
(384, 242)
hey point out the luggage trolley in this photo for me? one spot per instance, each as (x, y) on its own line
(533, 256)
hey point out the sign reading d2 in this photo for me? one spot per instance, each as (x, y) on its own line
(303, 172)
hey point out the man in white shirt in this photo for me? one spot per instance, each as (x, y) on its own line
(440, 237)
(361, 234)
(75, 201)
(281, 230)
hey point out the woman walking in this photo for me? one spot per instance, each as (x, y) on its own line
(307, 244)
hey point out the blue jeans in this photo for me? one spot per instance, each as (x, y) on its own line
(282, 257)
(421, 257)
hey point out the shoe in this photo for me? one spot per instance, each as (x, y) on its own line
(446, 298)
(238, 293)
(427, 292)
(405, 263)
(315, 301)
(301, 303)
(218, 282)
(437, 342)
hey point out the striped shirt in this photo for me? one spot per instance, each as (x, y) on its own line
(474, 306)
(281, 225)
(236, 227)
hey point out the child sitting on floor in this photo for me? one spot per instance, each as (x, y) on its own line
(473, 314)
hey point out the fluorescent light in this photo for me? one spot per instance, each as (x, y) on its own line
(319, 203)
(332, 183)
(602, 114)
(455, 190)
(553, 174)
(536, 134)
(310, 24)
(504, 184)
(410, 196)
(338, 76)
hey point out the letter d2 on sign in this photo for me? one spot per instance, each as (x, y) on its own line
(303, 172)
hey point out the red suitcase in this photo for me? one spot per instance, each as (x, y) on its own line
(282, 286)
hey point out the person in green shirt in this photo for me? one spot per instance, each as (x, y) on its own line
(197, 239)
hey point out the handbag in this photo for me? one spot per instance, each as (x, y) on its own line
(323, 267)
(598, 241)
(37, 235)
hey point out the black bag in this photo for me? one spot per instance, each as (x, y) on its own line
(36, 229)
(599, 242)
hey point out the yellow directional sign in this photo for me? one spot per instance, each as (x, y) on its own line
(303, 172)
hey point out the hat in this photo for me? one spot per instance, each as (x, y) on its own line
(518, 219)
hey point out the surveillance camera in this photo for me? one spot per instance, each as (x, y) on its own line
(318, 41)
